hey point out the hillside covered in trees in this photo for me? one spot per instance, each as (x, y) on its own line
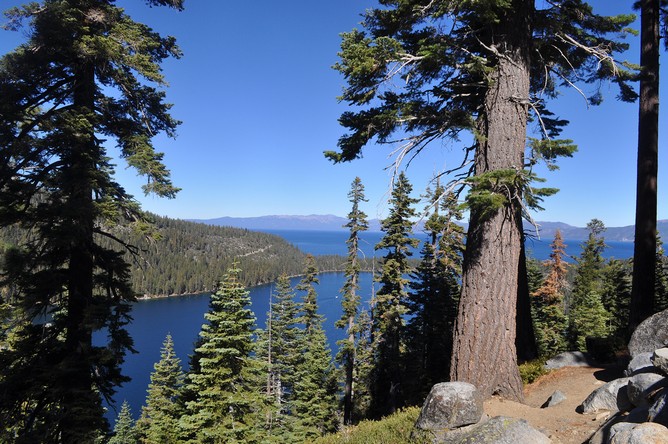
(181, 257)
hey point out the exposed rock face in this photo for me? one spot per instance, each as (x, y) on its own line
(498, 430)
(453, 414)
(450, 405)
(612, 396)
(554, 399)
(569, 359)
(647, 389)
(642, 386)
(645, 433)
(658, 412)
(660, 360)
(641, 363)
(650, 335)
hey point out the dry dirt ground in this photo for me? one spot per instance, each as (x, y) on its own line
(561, 423)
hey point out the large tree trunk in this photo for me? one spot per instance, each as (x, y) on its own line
(79, 213)
(644, 251)
(484, 352)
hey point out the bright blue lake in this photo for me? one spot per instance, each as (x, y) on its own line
(183, 316)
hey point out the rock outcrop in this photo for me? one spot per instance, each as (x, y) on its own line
(650, 335)
(453, 414)
(640, 400)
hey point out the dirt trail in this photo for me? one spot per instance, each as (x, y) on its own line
(561, 423)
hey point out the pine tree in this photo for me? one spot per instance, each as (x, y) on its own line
(309, 305)
(88, 73)
(124, 430)
(281, 350)
(616, 298)
(432, 303)
(661, 275)
(363, 368)
(158, 423)
(314, 397)
(587, 315)
(644, 245)
(389, 305)
(480, 68)
(227, 376)
(350, 302)
(550, 319)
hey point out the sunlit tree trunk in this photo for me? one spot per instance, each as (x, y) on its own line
(484, 352)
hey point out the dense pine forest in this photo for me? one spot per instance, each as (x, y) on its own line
(180, 257)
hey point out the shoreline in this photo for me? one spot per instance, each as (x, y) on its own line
(147, 297)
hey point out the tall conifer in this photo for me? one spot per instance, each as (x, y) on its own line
(281, 349)
(587, 314)
(548, 303)
(432, 302)
(418, 72)
(389, 305)
(314, 389)
(88, 73)
(644, 245)
(350, 302)
(226, 379)
(158, 422)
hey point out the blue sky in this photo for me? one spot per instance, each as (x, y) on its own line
(257, 97)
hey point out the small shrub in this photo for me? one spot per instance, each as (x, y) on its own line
(395, 429)
(532, 370)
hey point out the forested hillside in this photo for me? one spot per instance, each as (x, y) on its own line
(189, 257)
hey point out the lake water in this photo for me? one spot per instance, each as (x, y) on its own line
(183, 316)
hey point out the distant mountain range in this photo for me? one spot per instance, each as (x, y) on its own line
(328, 222)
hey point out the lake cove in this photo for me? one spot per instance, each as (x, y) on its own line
(183, 316)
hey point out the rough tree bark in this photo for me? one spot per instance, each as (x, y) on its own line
(484, 352)
(644, 250)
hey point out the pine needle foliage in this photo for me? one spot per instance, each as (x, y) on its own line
(314, 399)
(389, 304)
(227, 376)
(350, 303)
(124, 430)
(159, 419)
(550, 321)
(587, 315)
(434, 296)
(88, 73)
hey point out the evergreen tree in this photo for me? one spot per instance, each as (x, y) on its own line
(309, 306)
(158, 423)
(88, 73)
(550, 319)
(227, 376)
(314, 390)
(351, 300)
(124, 430)
(616, 298)
(389, 305)
(644, 245)
(587, 314)
(661, 275)
(432, 303)
(281, 350)
(478, 67)
(363, 368)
